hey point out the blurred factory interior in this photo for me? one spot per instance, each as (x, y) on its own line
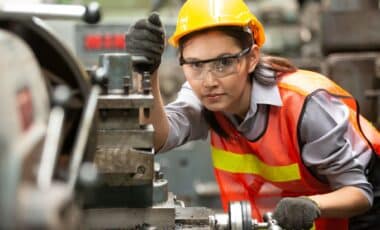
(64, 143)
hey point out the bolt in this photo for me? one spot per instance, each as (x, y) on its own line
(141, 170)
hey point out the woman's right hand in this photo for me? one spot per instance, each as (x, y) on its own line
(147, 38)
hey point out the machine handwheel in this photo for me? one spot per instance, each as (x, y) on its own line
(240, 215)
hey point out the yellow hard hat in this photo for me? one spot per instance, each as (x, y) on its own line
(201, 14)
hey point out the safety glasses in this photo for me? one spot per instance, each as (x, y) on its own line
(219, 67)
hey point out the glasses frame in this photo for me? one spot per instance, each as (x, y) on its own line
(242, 53)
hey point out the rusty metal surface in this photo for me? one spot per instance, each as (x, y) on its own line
(138, 138)
(124, 166)
(125, 179)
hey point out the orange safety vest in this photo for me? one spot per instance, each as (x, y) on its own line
(267, 169)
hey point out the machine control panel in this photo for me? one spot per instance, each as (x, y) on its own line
(93, 40)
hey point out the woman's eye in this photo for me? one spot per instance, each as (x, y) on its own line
(226, 61)
(222, 63)
(196, 65)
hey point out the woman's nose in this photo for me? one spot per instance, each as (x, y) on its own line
(209, 79)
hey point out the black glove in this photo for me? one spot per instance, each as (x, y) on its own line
(147, 38)
(296, 213)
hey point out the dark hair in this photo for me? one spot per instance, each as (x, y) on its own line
(266, 71)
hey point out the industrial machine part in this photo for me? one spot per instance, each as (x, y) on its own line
(131, 192)
(124, 154)
(44, 101)
(357, 72)
(363, 18)
(173, 215)
(239, 217)
(90, 13)
(352, 52)
(23, 122)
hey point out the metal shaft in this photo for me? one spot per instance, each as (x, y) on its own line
(89, 13)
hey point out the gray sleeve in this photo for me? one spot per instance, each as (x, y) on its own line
(332, 150)
(186, 122)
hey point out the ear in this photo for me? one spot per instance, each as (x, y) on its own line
(253, 58)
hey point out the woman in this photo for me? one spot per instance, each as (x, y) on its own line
(287, 140)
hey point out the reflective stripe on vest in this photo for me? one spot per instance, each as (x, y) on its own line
(250, 164)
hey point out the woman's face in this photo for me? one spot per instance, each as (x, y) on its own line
(223, 84)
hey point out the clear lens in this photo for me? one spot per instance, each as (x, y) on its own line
(225, 66)
(219, 67)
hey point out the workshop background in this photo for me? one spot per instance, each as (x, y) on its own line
(339, 38)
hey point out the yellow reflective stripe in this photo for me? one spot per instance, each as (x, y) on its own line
(250, 164)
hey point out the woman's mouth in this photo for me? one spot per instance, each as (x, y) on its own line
(214, 96)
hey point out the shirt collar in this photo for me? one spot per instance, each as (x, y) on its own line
(265, 94)
(260, 94)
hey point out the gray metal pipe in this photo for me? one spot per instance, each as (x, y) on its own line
(90, 13)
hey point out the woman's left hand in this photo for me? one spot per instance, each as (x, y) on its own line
(296, 213)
